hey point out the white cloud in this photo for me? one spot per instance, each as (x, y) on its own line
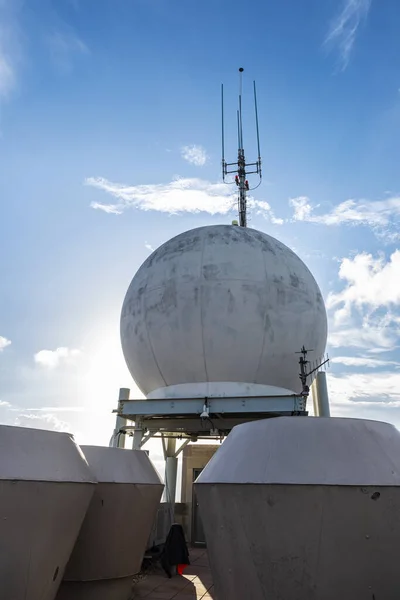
(302, 208)
(64, 48)
(379, 388)
(365, 312)
(37, 418)
(149, 247)
(72, 393)
(370, 338)
(111, 209)
(381, 215)
(44, 417)
(195, 155)
(261, 207)
(343, 30)
(369, 283)
(53, 358)
(364, 361)
(180, 195)
(4, 342)
(369, 395)
(41, 421)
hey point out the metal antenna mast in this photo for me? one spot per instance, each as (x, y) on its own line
(240, 169)
(304, 374)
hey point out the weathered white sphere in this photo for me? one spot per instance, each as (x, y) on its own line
(217, 306)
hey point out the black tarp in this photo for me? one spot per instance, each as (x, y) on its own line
(175, 551)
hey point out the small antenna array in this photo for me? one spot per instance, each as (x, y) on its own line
(304, 372)
(240, 167)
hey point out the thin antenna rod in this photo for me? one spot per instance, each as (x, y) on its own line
(258, 131)
(240, 124)
(223, 127)
(240, 109)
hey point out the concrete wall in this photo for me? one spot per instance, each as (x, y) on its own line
(194, 456)
(304, 509)
(162, 523)
(296, 542)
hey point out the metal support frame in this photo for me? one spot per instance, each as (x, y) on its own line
(196, 418)
(138, 433)
(213, 418)
(119, 434)
(171, 454)
(182, 446)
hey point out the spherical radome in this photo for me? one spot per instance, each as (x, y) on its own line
(221, 304)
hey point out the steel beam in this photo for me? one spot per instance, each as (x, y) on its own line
(131, 409)
(193, 425)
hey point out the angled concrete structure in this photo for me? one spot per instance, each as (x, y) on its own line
(45, 489)
(304, 509)
(112, 541)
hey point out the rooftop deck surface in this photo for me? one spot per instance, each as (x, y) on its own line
(196, 582)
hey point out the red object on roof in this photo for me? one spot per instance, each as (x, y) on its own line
(180, 569)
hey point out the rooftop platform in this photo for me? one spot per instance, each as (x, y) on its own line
(195, 584)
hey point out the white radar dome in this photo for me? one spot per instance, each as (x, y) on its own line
(219, 311)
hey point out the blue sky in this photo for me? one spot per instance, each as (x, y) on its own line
(110, 145)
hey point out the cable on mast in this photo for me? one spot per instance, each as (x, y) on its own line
(240, 166)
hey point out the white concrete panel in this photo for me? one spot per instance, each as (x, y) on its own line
(179, 259)
(295, 450)
(224, 303)
(233, 299)
(220, 263)
(40, 455)
(140, 358)
(115, 465)
(174, 314)
(302, 542)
